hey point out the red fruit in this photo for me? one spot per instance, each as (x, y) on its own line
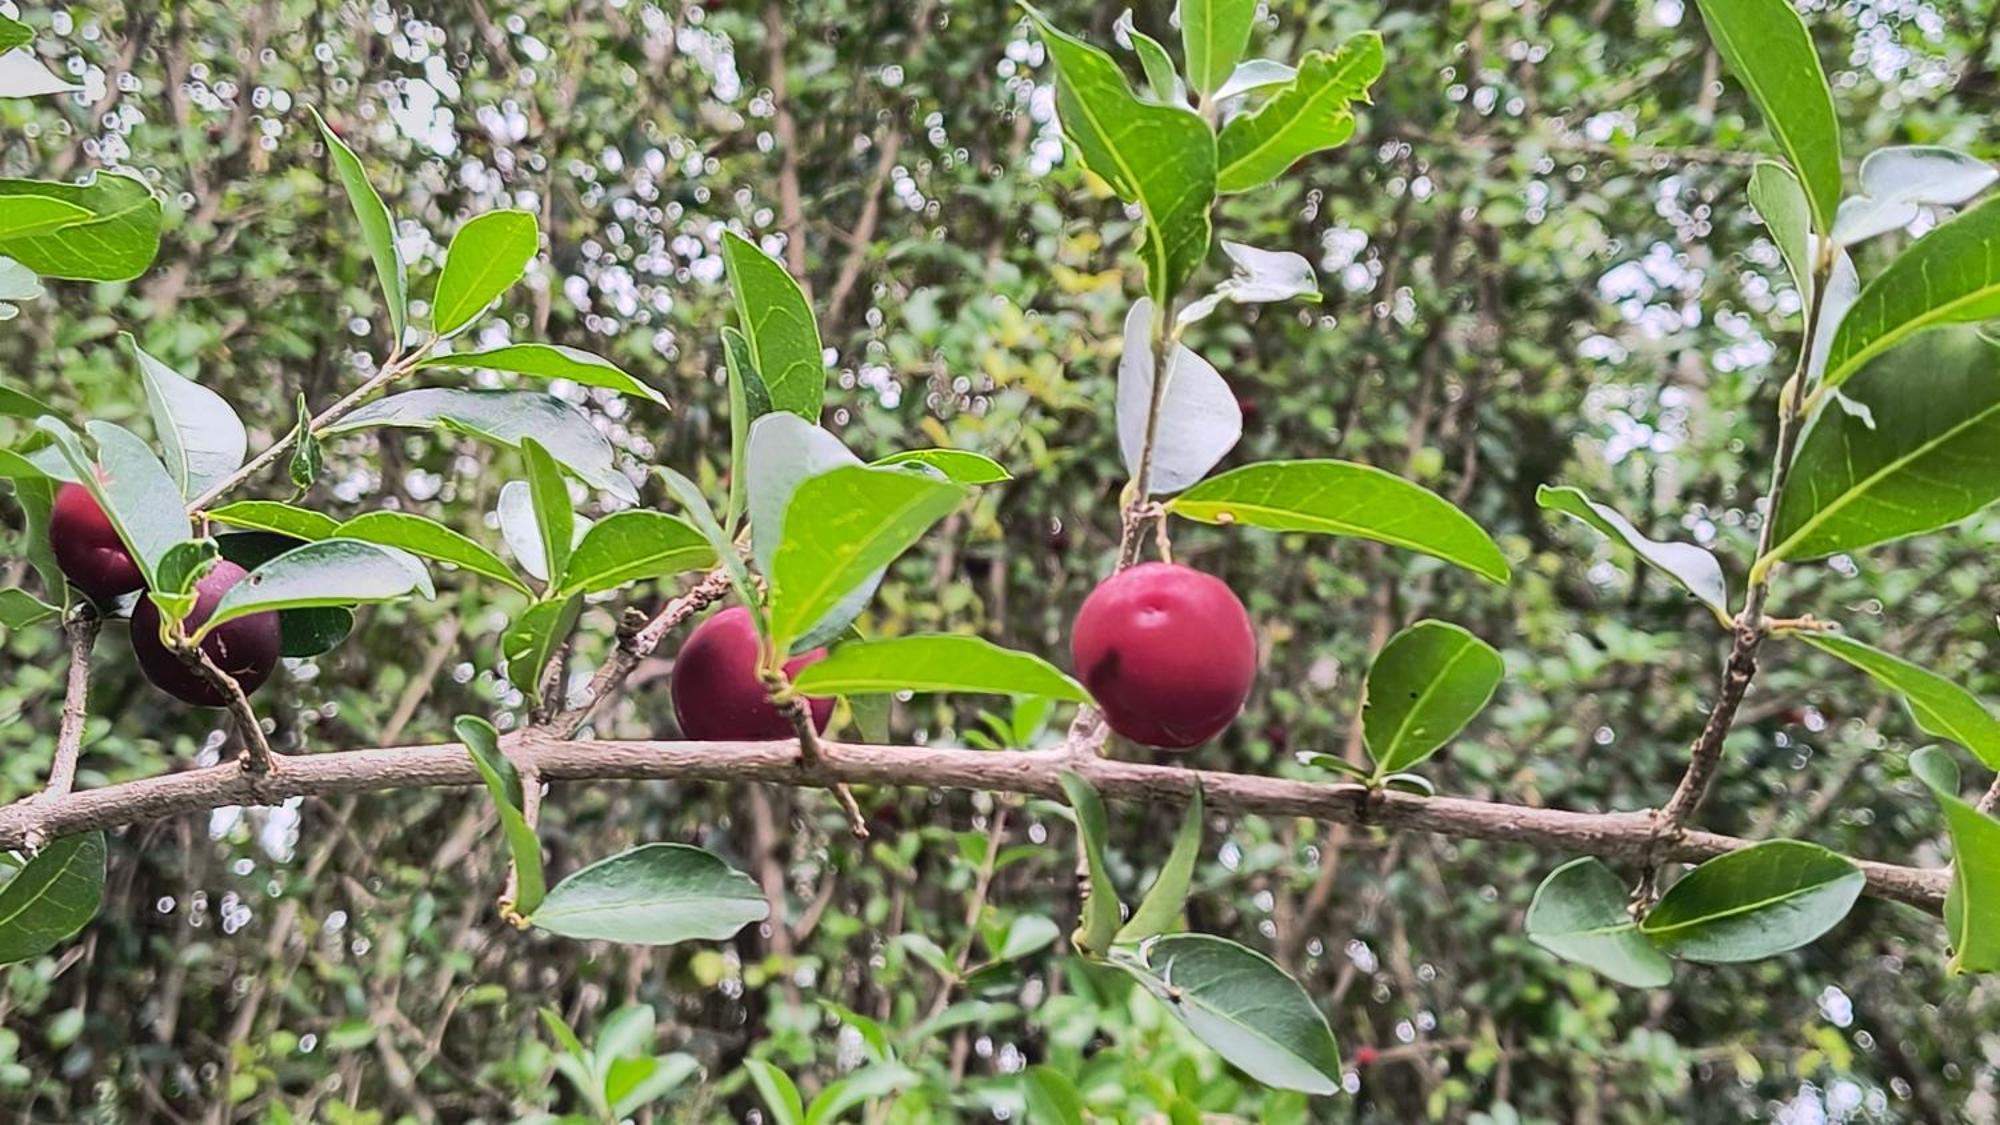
(1365, 1056)
(718, 696)
(87, 547)
(247, 648)
(1167, 652)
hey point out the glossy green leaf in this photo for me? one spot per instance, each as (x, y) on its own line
(555, 516)
(778, 325)
(550, 361)
(1757, 902)
(20, 609)
(521, 529)
(1778, 199)
(488, 254)
(1199, 420)
(1972, 909)
(532, 639)
(1694, 568)
(634, 546)
(1908, 461)
(688, 495)
(24, 75)
(1160, 910)
(132, 487)
(1099, 924)
(1244, 1007)
(1941, 708)
(378, 230)
(938, 662)
(1897, 182)
(20, 404)
(180, 568)
(1426, 684)
(429, 539)
(330, 572)
(1162, 81)
(505, 417)
(749, 400)
(655, 894)
(1343, 498)
(14, 33)
(199, 431)
(503, 784)
(1159, 157)
(1311, 113)
(1766, 47)
(116, 242)
(780, 1094)
(270, 515)
(52, 897)
(36, 497)
(960, 465)
(1051, 1097)
(307, 458)
(1950, 275)
(1213, 36)
(38, 214)
(1579, 915)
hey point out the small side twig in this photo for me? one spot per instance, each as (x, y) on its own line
(82, 627)
(1991, 800)
(257, 757)
(635, 646)
(812, 752)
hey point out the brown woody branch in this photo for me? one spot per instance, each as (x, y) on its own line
(1626, 835)
(82, 628)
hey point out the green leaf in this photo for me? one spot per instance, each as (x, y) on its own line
(55, 895)
(688, 495)
(531, 641)
(782, 450)
(1099, 925)
(1923, 453)
(17, 283)
(284, 519)
(1255, 76)
(521, 528)
(655, 894)
(307, 457)
(1244, 1007)
(1029, 933)
(378, 230)
(780, 1095)
(1213, 36)
(116, 242)
(1343, 498)
(841, 527)
(634, 546)
(1579, 915)
(20, 404)
(1427, 683)
(203, 438)
(1199, 419)
(330, 572)
(1753, 903)
(20, 609)
(749, 400)
(1778, 199)
(487, 256)
(551, 361)
(1694, 568)
(180, 568)
(937, 662)
(14, 33)
(1941, 708)
(962, 466)
(22, 75)
(38, 214)
(1159, 157)
(1160, 910)
(555, 516)
(864, 1085)
(778, 325)
(637, 1082)
(1051, 1097)
(132, 487)
(1898, 181)
(1972, 909)
(1950, 275)
(503, 783)
(1256, 277)
(1311, 113)
(428, 539)
(37, 498)
(505, 417)
(1161, 80)
(1766, 47)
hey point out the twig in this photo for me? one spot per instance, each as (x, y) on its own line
(637, 646)
(82, 627)
(1139, 508)
(257, 757)
(812, 754)
(1991, 800)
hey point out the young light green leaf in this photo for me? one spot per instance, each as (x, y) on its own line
(1766, 47)
(780, 1094)
(503, 784)
(378, 230)
(1244, 1007)
(1026, 934)
(1898, 181)
(749, 400)
(1694, 568)
(1213, 36)
(532, 639)
(841, 527)
(1941, 708)
(20, 609)
(1343, 498)
(1311, 113)
(521, 529)
(1579, 915)
(1259, 277)
(960, 465)
(1162, 82)
(504, 417)
(555, 516)
(23, 75)
(132, 487)
(14, 33)
(655, 894)
(487, 256)
(688, 495)
(1254, 76)
(634, 546)
(1972, 909)
(778, 325)
(1778, 199)
(429, 539)
(20, 404)
(272, 516)
(36, 496)
(1160, 910)
(1951, 275)
(180, 568)
(55, 895)
(551, 361)
(203, 438)
(1199, 419)
(935, 662)
(1159, 157)
(116, 241)
(307, 457)
(1427, 683)
(782, 450)
(330, 572)
(1099, 925)
(38, 214)
(1757, 902)
(1913, 460)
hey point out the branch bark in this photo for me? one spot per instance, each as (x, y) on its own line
(1627, 835)
(82, 629)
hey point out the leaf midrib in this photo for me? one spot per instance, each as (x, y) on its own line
(1746, 908)
(1465, 645)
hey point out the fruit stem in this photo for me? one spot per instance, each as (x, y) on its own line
(257, 757)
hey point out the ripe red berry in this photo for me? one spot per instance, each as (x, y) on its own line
(1167, 652)
(247, 648)
(87, 547)
(1365, 1055)
(718, 695)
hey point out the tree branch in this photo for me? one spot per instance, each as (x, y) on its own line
(1627, 835)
